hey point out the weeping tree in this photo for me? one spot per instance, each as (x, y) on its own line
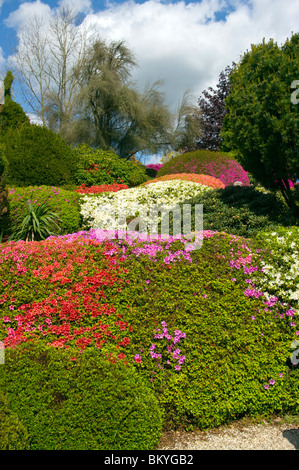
(111, 112)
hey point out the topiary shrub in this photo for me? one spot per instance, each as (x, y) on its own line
(65, 203)
(38, 156)
(12, 115)
(242, 211)
(4, 202)
(81, 402)
(98, 167)
(13, 435)
(219, 165)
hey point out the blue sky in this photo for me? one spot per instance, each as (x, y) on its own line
(183, 43)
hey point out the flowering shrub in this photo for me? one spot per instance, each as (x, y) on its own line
(219, 165)
(97, 167)
(201, 179)
(81, 294)
(100, 211)
(280, 265)
(103, 188)
(155, 166)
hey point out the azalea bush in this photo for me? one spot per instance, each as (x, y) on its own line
(217, 164)
(102, 211)
(280, 265)
(242, 211)
(200, 309)
(202, 179)
(103, 188)
(97, 167)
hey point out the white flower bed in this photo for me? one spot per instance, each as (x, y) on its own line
(104, 211)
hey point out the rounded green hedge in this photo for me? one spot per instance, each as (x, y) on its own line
(242, 211)
(81, 403)
(13, 434)
(206, 162)
(38, 156)
(103, 167)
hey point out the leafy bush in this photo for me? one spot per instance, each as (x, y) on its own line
(38, 156)
(13, 435)
(98, 167)
(201, 310)
(242, 211)
(106, 210)
(81, 402)
(64, 203)
(4, 202)
(12, 115)
(219, 165)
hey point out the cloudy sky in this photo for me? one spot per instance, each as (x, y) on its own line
(184, 43)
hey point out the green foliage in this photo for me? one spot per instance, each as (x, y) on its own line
(12, 115)
(261, 122)
(13, 435)
(102, 167)
(217, 164)
(65, 203)
(4, 202)
(37, 223)
(242, 211)
(110, 112)
(38, 156)
(79, 403)
(234, 346)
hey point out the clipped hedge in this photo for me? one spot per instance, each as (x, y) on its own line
(4, 202)
(219, 165)
(242, 211)
(78, 403)
(65, 203)
(13, 434)
(38, 156)
(224, 345)
(97, 167)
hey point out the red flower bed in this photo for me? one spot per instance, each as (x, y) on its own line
(66, 293)
(101, 188)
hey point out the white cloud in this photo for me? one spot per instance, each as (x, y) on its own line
(184, 44)
(77, 6)
(26, 12)
(180, 43)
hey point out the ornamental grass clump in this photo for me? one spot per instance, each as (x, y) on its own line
(63, 202)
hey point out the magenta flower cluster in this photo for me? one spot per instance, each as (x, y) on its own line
(228, 172)
(155, 166)
(169, 352)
